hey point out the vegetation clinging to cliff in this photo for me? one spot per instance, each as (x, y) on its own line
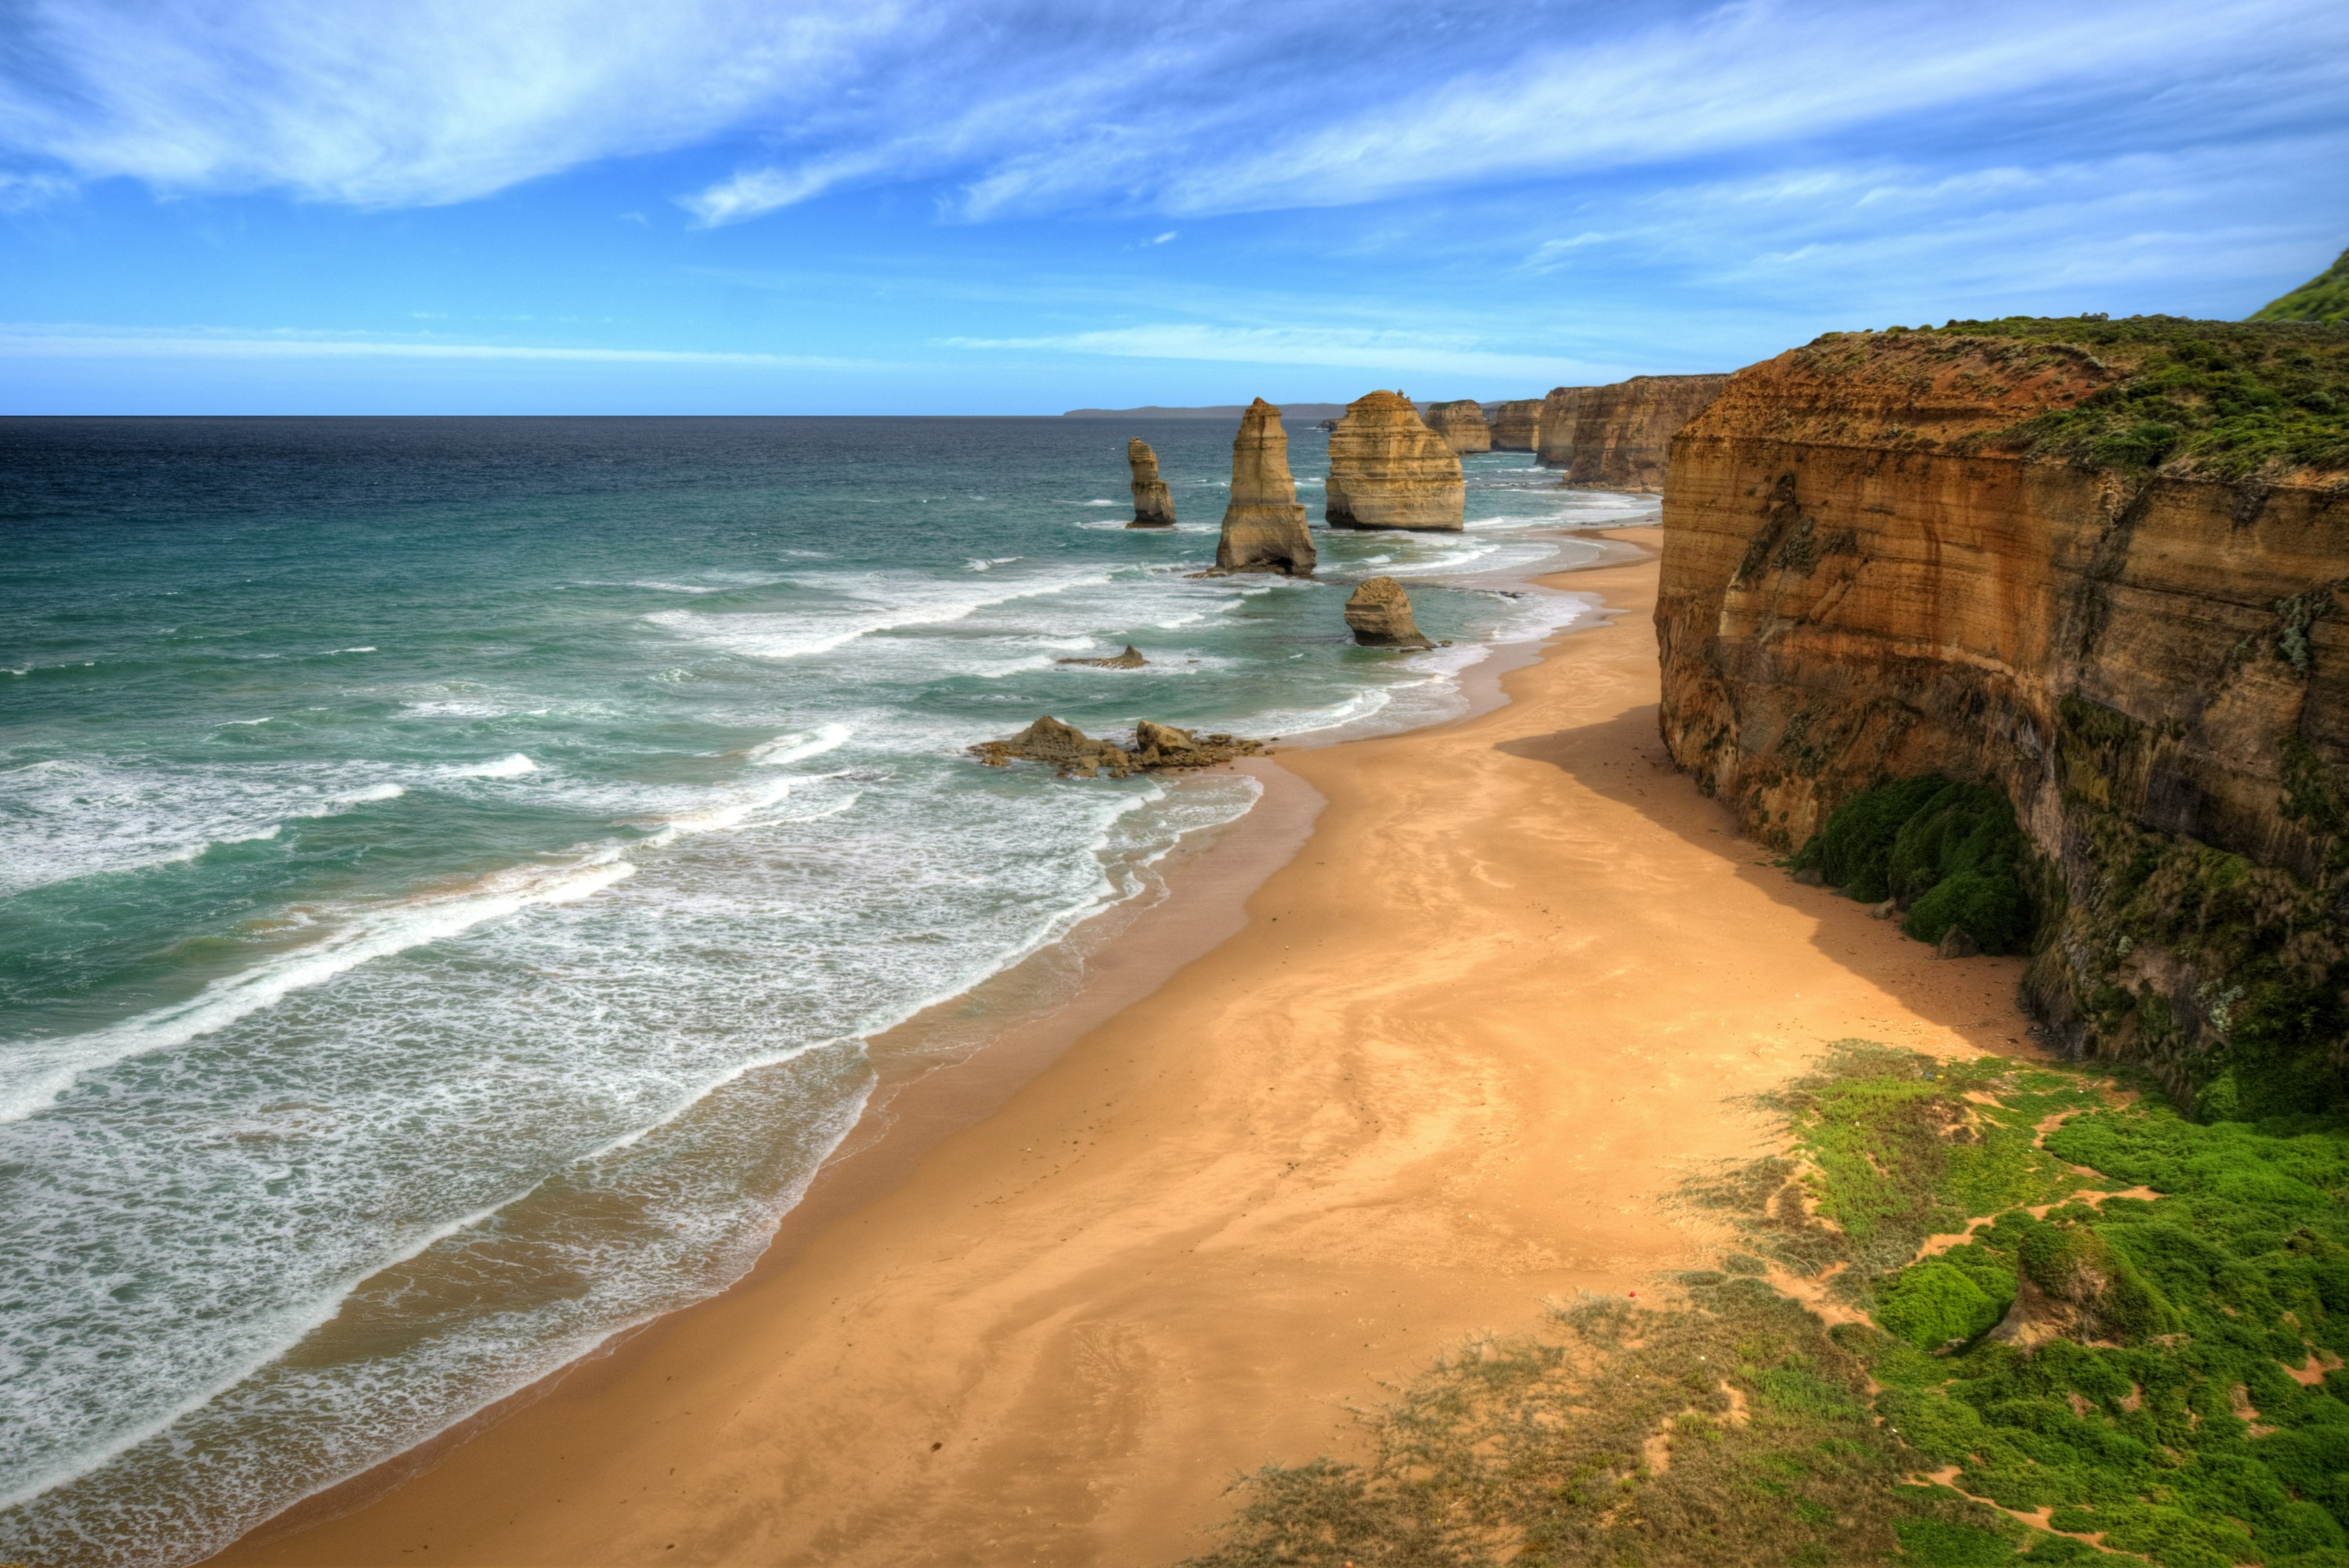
(2229, 398)
(2325, 297)
(1950, 852)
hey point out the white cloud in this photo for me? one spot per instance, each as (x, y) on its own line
(1354, 349)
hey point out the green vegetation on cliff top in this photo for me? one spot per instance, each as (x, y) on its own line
(2227, 398)
(2135, 1349)
(2325, 297)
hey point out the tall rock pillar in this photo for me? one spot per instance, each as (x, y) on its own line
(1264, 527)
(1387, 470)
(1153, 504)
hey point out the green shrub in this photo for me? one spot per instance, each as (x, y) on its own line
(1933, 1304)
(1952, 853)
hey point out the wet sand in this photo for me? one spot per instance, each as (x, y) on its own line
(1500, 996)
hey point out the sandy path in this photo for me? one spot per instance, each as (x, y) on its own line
(1499, 1003)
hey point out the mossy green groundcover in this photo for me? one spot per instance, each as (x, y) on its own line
(1952, 854)
(2125, 1339)
(2230, 399)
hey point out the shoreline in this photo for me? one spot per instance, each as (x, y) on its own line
(1158, 962)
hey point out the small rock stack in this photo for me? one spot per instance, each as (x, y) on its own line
(1462, 424)
(1153, 504)
(1379, 614)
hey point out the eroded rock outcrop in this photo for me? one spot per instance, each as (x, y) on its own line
(1553, 441)
(1379, 615)
(1972, 552)
(1461, 424)
(1077, 755)
(1388, 469)
(1623, 433)
(1153, 504)
(1517, 425)
(1264, 526)
(1130, 659)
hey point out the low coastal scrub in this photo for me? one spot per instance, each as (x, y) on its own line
(2325, 297)
(2225, 397)
(2092, 1327)
(1949, 853)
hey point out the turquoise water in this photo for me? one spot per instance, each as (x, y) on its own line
(449, 870)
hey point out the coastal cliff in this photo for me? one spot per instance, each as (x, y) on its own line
(1622, 433)
(1263, 525)
(2097, 565)
(1462, 424)
(1554, 429)
(1516, 425)
(1388, 469)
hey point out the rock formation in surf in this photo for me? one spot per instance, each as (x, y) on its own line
(1462, 424)
(1972, 551)
(1078, 755)
(1622, 433)
(1130, 659)
(1517, 425)
(1264, 527)
(1554, 439)
(1153, 504)
(1388, 469)
(1379, 614)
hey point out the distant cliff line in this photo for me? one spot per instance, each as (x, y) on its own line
(2100, 565)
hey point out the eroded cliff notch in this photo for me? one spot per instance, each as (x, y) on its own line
(2098, 565)
(1153, 503)
(1264, 526)
(1388, 469)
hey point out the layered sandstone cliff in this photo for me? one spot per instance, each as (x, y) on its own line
(1517, 425)
(1554, 439)
(2098, 565)
(1388, 469)
(1623, 433)
(1153, 503)
(1462, 424)
(1264, 526)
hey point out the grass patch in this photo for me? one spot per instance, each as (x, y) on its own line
(2325, 297)
(1950, 853)
(2126, 1364)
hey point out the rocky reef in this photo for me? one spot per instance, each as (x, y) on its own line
(1554, 433)
(1461, 424)
(1517, 425)
(1155, 748)
(1264, 526)
(1130, 659)
(1153, 504)
(1623, 433)
(2096, 567)
(1379, 614)
(1388, 469)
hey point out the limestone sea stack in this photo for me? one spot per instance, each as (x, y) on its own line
(1153, 504)
(1517, 425)
(1554, 448)
(1076, 755)
(1264, 527)
(1462, 424)
(1388, 469)
(1379, 614)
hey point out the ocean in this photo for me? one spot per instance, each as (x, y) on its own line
(450, 870)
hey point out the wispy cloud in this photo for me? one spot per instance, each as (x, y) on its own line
(1349, 348)
(46, 341)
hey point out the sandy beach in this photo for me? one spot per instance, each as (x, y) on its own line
(1502, 992)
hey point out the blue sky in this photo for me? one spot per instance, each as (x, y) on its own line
(627, 206)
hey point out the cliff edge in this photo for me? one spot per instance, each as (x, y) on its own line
(2098, 564)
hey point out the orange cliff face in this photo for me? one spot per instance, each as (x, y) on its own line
(1516, 425)
(1388, 469)
(1867, 574)
(1623, 433)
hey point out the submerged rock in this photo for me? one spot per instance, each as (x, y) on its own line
(1153, 503)
(1264, 527)
(1462, 424)
(1379, 614)
(1078, 755)
(1388, 469)
(1130, 659)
